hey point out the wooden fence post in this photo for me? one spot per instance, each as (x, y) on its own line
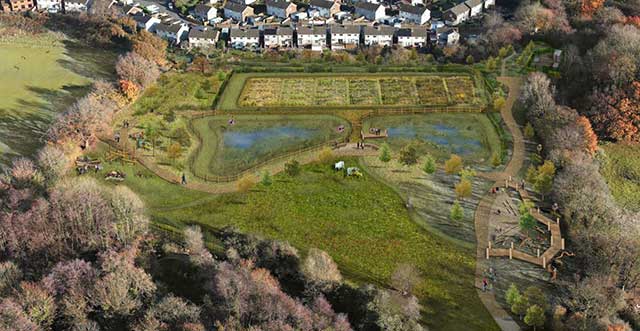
(487, 253)
(562, 243)
(538, 252)
(552, 240)
(510, 253)
(544, 262)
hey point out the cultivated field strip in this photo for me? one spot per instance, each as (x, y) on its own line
(357, 91)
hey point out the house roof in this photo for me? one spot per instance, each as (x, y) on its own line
(459, 9)
(235, 7)
(282, 4)
(142, 19)
(173, 28)
(249, 33)
(368, 6)
(412, 32)
(345, 29)
(445, 30)
(473, 3)
(321, 3)
(204, 34)
(202, 9)
(378, 31)
(416, 10)
(285, 31)
(312, 30)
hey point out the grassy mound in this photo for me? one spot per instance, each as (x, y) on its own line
(363, 225)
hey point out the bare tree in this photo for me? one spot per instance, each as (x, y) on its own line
(405, 278)
(320, 268)
(137, 69)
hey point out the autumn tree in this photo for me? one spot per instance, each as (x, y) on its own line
(463, 189)
(453, 165)
(129, 89)
(616, 113)
(150, 47)
(542, 177)
(589, 7)
(246, 182)
(201, 63)
(590, 138)
(174, 151)
(326, 155)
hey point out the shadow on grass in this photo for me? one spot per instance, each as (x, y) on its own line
(23, 129)
(89, 62)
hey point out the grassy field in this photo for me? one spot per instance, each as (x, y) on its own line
(179, 91)
(621, 169)
(41, 76)
(227, 149)
(258, 91)
(362, 223)
(472, 136)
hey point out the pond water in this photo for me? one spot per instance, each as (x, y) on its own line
(253, 139)
(439, 134)
(246, 140)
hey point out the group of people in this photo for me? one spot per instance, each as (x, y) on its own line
(375, 131)
(490, 277)
(360, 144)
(83, 169)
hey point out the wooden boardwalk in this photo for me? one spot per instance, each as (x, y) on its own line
(365, 136)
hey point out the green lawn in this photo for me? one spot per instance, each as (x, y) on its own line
(227, 149)
(363, 225)
(40, 77)
(621, 169)
(472, 136)
(179, 91)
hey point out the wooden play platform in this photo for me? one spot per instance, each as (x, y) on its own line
(542, 259)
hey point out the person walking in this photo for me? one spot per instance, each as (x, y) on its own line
(484, 284)
(184, 179)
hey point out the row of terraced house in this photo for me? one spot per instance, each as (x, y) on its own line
(51, 6)
(338, 37)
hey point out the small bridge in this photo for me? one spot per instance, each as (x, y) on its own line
(380, 135)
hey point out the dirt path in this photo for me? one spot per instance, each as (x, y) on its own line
(483, 211)
(228, 187)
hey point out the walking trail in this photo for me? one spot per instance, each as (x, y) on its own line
(483, 211)
(231, 186)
